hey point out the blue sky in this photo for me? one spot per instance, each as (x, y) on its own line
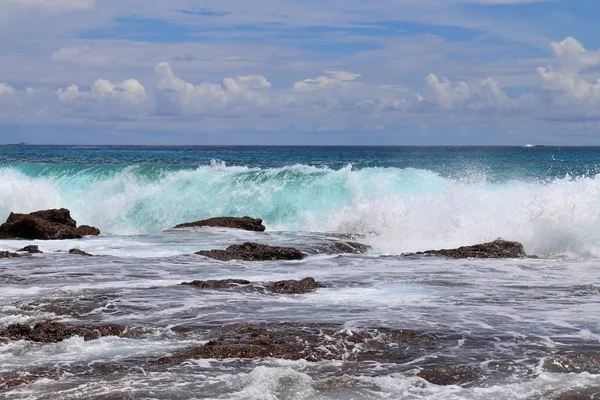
(300, 72)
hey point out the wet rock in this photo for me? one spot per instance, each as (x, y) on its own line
(496, 249)
(577, 394)
(9, 381)
(44, 225)
(338, 247)
(576, 363)
(448, 374)
(253, 252)
(79, 252)
(8, 254)
(245, 223)
(312, 342)
(86, 230)
(218, 284)
(296, 287)
(75, 306)
(31, 249)
(52, 332)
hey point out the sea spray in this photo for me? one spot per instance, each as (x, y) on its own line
(398, 209)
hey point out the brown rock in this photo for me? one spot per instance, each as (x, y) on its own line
(86, 230)
(576, 363)
(59, 216)
(51, 332)
(79, 252)
(31, 249)
(253, 252)
(44, 225)
(8, 254)
(295, 287)
(245, 223)
(217, 284)
(448, 375)
(496, 249)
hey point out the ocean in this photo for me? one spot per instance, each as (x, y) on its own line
(384, 325)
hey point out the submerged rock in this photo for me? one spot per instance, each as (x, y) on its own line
(576, 363)
(52, 332)
(8, 254)
(496, 249)
(245, 223)
(337, 247)
(448, 374)
(45, 225)
(217, 284)
(79, 252)
(296, 287)
(31, 249)
(250, 251)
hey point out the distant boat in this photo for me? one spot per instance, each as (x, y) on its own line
(535, 145)
(529, 145)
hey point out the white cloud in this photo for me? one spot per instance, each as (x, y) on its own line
(470, 95)
(53, 5)
(331, 79)
(174, 95)
(6, 89)
(565, 75)
(80, 55)
(128, 92)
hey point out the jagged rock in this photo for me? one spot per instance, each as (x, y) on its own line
(8, 254)
(59, 216)
(253, 252)
(337, 247)
(245, 223)
(448, 374)
(296, 287)
(218, 284)
(52, 332)
(79, 252)
(31, 249)
(86, 230)
(496, 249)
(44, 225)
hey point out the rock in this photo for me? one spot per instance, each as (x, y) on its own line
(576, 363)
(448, 374)
(79, 252)
(44, 225)
(245, 223)
(592, 393)
(52, 332)
(253, 252)
(337, 247)
(61, 216)
(86, 230)
(8, 254)
(496, 249)
(295, 287)
(218, 284)
(31, 249)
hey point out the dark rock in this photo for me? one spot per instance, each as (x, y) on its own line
(79, 252)
(9, 381)
(576, 363)
(496, 249)
(44, 225)
(448, 374)
(86, 230)
(246, 223)
(576, 394)
(310, 341)
(52, 332)
(31, 249)
(8, 254)
(337, 247)
(218, 284)
(59, 216)
(253, 252)
(295, 287)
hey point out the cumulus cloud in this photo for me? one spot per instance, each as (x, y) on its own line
(6, 89)
(476, 95)
(331, 79)
(175, 95)
(565, 75)
(129, 92)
